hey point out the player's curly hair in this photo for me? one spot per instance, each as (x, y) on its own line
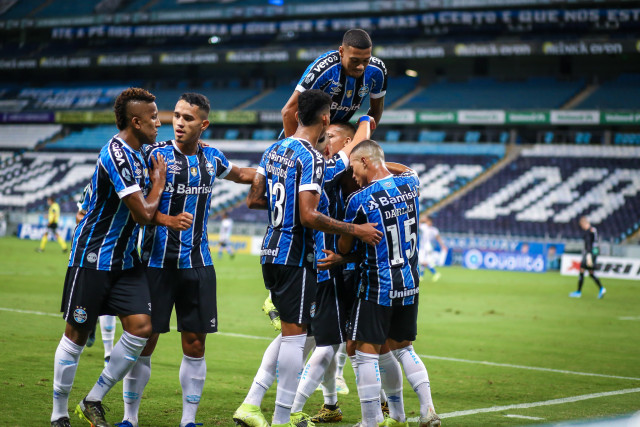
(357, 38)
(311, 104)
(132, 94)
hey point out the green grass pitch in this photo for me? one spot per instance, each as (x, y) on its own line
(513, 321)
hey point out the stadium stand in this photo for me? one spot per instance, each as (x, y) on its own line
(545, 190)
(26, 136)
(488, 93)
(94, 138)
(620, 93)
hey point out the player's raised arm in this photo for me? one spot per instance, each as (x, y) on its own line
(143, 209)
(289, 121)
(310, 217)
(376, 107)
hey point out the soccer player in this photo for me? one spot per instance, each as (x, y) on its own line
(348, 75)
(429, 234)
(107, 323)
(589, 256)
(329, 321)
(177, 255)
(288, 184)
(387, 306)
(105, 275)
(226, 226)
(52, 227)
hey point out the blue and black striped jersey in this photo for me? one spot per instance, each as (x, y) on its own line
(347, 93)
(188, 189)
(290, 166)
(106, 237)
(331, 204)
(389, 271)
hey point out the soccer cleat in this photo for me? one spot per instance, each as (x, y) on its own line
(341, 386)
(39, 250)
(326, 415)
(124, 423)
(91, 339)
(303, 423)
(92, 412)
(390, 422)
(61, 422)
(271, 311)
(384, 407)
(603, 291)
(431, 420)
(249, 416)
(575, 294)
(300, 419)
(436, 277)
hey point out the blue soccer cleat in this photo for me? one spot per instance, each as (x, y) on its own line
(603, 291)
(575, 294)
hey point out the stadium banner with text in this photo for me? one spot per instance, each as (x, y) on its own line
(528, 117)
(332, 7)
(469, 20)
(612, 267)
(241, 244)
(474, 259)
(233, 117)
(84, 117)
(437, 117)
(620, 117)
(35, 232)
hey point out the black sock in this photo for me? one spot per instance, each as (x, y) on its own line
(580, 280)
(595, 279)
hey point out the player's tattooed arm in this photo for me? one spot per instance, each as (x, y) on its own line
(310, 217)
(257, 197)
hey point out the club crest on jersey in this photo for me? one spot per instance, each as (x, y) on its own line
(80, 314)
(193, 170)
(363, 91)
(318, 172)
(372, 206)
(349, 93)
(210, 169)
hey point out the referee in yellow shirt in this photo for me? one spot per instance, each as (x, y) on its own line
(54, 217)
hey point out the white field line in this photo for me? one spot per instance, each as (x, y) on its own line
(629, 318)
(524, 417)
(426, 356)
(535, 404)
(531, 368)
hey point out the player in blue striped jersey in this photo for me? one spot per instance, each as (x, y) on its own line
(349, 75)
(288, 184)
(177, 255)
(105, 275)
(387, 307)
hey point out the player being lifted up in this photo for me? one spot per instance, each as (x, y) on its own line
(349, 75)
(289, 184)
(177, 255)
(105, 275)
(387, 306)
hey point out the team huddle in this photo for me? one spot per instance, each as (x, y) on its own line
(339, 257)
